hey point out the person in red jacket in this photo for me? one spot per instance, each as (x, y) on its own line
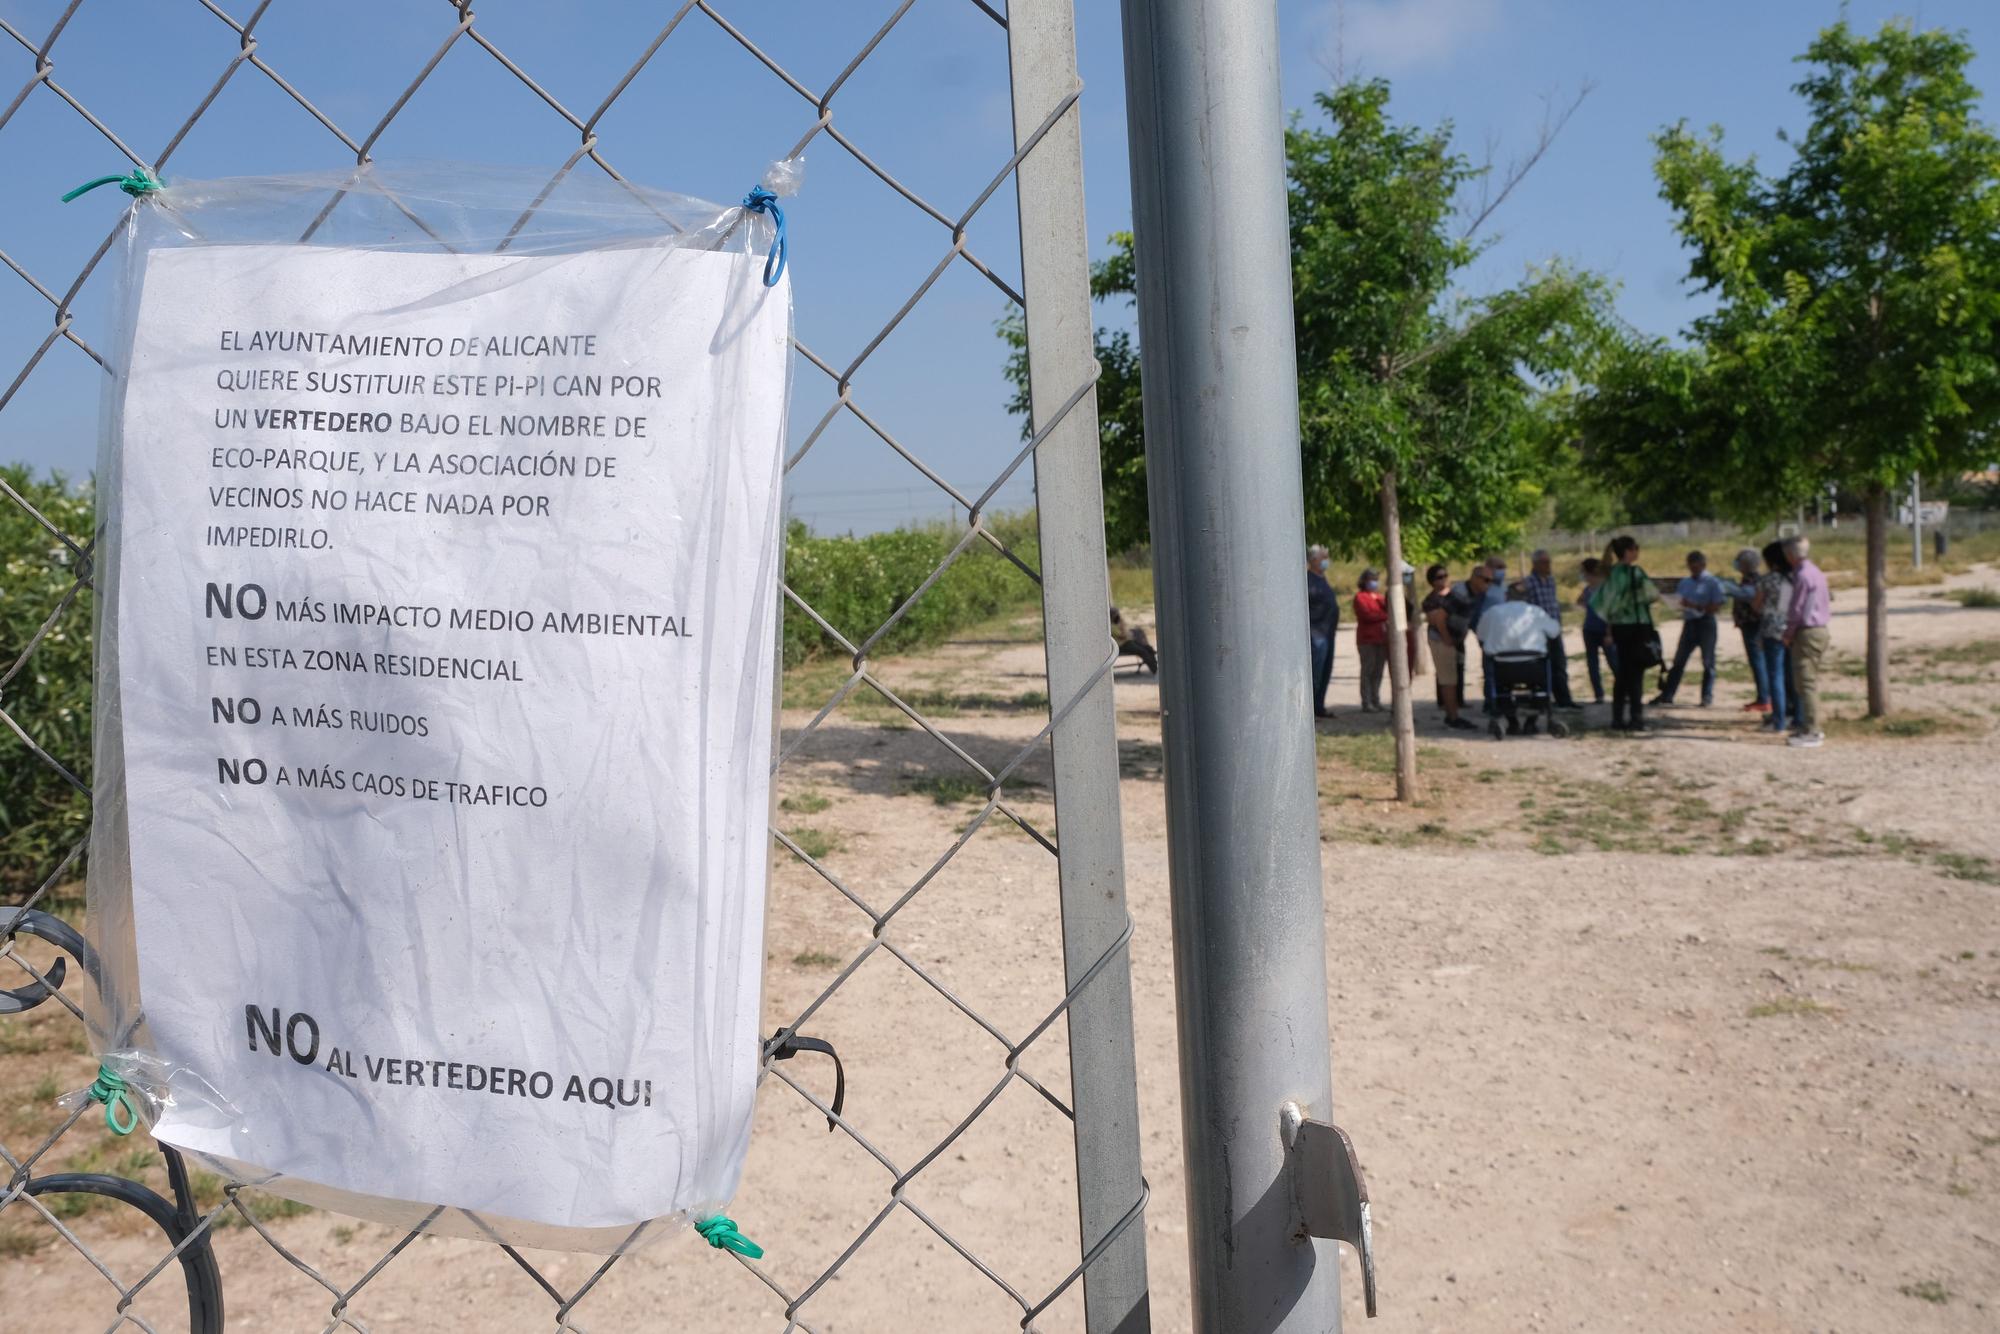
(1371, 638)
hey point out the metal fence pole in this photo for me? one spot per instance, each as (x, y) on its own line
(1222, 455)
(1069, 502)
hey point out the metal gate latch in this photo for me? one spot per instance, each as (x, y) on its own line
(1328, 1188)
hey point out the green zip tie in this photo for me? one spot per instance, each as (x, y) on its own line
(111, 1090)
(721, 1233)
(140, 182)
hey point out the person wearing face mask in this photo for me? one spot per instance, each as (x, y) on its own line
(1323, 618)
(1371, 638)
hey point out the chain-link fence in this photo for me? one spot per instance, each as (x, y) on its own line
(984, 1172)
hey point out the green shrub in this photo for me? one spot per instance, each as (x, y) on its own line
(857, 583)
(41, 815)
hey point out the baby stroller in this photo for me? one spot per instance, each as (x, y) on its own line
(1518, 679)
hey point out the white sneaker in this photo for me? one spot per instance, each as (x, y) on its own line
(1805, 740)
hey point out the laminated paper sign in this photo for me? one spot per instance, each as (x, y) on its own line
(435, 732)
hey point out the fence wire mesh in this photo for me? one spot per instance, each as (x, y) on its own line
(963, 1214)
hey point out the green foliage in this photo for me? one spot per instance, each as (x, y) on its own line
(41, 815)
(857, 583)
(1397, 372)
(1856, 333)
(1855, 337)
(1121, 426)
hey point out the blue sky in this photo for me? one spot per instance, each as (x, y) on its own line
(930, 106)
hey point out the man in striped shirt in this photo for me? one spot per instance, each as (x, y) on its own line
(1542, 592)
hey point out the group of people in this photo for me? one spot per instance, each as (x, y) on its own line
(1781, 605)
(1779, 602)
(1371, 630)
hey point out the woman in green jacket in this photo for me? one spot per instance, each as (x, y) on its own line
(1625, 600)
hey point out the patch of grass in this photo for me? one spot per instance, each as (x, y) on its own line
(814, 843)
(18, 1243)
(1693, 808)
(1370, 752)
(1987, 598)
(1967, 866)
(811, 685)
(808, 802)
(343, 1233)
(1927, 1290)
(1131, 584)
(940, 703)
(46, 1089)
(1817, 960)
(17, 1039)
(1789, 1005)
(1977, 652)
(816, 958)
(1900, 725)
(1551, 846)
(948, 789)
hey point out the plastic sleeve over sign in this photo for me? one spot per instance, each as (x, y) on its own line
(437, 577)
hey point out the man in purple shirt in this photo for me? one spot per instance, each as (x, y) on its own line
(1806, 635)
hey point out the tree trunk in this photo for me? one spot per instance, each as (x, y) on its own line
(1878, 601)
(1403, 718)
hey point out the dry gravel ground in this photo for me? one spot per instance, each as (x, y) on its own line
(1689, 1033)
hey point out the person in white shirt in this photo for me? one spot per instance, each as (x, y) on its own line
(1516, 626)
(1516, 630)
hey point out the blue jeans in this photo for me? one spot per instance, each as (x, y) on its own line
(1559, 674)
(1597, 638)
(1776, 670)
(1322, 671)
(1697, 632)
(1753, 649)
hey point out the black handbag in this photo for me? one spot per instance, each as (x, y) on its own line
(1655, 652)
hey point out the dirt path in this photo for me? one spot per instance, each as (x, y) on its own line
(1693, 1033)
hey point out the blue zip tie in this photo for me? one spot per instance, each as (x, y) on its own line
(140, 182)
(760, 200)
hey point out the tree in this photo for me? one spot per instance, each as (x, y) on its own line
(1426, 417)
(1856, 332)
(1121, 426)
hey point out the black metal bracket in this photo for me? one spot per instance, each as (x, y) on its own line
(49, 927)
(180, 1218)
(1328, 1189)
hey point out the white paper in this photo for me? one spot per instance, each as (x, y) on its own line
(538, 602)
